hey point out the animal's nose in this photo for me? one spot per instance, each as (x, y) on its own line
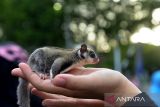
(96, 60)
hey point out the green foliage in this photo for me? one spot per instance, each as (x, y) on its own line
(151, 57)
(110, 20)
(31, 23)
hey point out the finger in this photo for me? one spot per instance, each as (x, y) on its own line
(98, 81)
(45, 95)
(73, 102)
(30, 86)
(43, 85)
(47, 86)
(74, 82)
(33, 77)
(17, 72)
(64, 95)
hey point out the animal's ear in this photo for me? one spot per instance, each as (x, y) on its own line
(83, 48)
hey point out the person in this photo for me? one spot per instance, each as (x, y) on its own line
(82, 87)
(11, 54)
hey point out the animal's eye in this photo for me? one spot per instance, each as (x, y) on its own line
(92, 54)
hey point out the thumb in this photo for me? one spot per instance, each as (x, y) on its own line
(73, 82)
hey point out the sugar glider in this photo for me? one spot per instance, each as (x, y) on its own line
(52, 61)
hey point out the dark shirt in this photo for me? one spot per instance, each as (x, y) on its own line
(8, 86)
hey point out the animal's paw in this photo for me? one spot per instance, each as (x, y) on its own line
(43, 76)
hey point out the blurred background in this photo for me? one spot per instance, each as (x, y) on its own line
(125, 33)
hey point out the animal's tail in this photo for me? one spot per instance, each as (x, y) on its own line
(23, 94)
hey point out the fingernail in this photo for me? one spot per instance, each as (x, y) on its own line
(13, 72)
(59, 81)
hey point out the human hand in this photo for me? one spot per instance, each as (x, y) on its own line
(25, 72)
(84, 82)
(55, 100)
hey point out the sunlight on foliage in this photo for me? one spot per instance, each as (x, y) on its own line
(116, 18)
(57, 6)
(147, 35)
(156, 16)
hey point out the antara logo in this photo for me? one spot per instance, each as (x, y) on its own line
(114, 100)
(127, 99)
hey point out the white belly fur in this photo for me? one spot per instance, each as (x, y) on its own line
(71, 67)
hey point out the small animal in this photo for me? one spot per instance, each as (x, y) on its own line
(52, 61)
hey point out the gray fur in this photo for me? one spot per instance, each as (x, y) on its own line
(23, 93)
(40, 61)
(46, 60)
(36, 63)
